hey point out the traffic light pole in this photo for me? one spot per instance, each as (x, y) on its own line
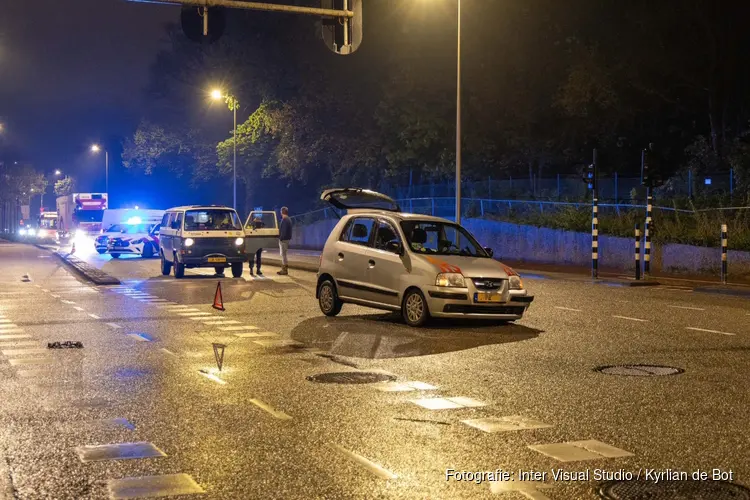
(272, 7)
(594, 224)
(647, 234)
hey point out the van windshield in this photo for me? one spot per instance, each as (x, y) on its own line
(440, 238)
(212, 220)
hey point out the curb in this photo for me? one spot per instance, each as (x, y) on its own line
(87, 271)
(300, 266)
(625, 282)
(723, 291)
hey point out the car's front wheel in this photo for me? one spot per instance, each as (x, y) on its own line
(237, 270)
(414, 308)
(101, 251)
(328, 299)
(115, 255)
(179, 269)
(148, 251)
(166, 267)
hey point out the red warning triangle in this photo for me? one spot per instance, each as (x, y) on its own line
(218, 300)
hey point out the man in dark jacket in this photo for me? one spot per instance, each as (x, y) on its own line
(255, 259)
(285, 234)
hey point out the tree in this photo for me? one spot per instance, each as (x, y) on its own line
(64, 186)
(20, 181)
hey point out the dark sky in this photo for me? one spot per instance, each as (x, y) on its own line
(72, 73)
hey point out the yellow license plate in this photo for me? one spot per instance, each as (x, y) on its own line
(217, 259)
(488, 297)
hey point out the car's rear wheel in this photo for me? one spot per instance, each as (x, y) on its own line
(414, 308)
(166, 267)
(237, 270)
(148, 251)
(328, 299)
(179, 269)
(101, 251)
(115, 255)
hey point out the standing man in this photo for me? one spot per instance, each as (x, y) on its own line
(285, 234)
(257, 224)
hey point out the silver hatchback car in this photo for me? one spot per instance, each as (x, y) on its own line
(423, 266)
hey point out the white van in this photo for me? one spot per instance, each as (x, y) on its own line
(201, 236)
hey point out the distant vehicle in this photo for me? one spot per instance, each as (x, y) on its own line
(419, 265)
(80, 214)
(134, 239)
(47, 231)
(114, 221)
(201, 236)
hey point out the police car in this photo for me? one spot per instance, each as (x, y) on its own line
(132, 239)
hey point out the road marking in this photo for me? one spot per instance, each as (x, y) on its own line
(708, 331)
(211, 376)
(505, 424)
(167, 304)
(67, 301)
(13, 336)
(529, 489)
(94, 316)
(157, 301)
(200, 317)
(687, 308)
(573, 451)
(237, 328)
(368, 464)
(221, 322)
(4, 320)
(568, 309)
(276, 413)
(250, 335)
(18, 343)
(403, 386)
(8, 326)
(276, 343)
(169, 352)
(153, 486)
(45, 290)
(120, 451)
(78, 308)
(30, 361)
(55, 296)
(139, 337)
(447, 403)
(22, 352)
(631, 319)
(176, 306)
(114, 325)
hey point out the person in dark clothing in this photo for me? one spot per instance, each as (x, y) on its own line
(257, 224)
(285, 234)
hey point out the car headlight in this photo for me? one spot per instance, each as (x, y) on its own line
(450, 279)
(30, 232)
(239, 241)
(515, 282)
(22, 232)
(189, 242)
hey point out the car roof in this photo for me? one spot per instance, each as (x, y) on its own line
(401, 216)
(194, 207)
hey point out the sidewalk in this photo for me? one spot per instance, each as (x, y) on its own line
(307, 260)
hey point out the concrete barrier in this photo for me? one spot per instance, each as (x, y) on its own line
(554, 246)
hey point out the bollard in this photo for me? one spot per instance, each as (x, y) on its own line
(724, 254)
(637, 253)
(647, 235)
(595, 239)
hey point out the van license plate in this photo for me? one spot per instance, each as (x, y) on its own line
(487, 297)
(217, 259)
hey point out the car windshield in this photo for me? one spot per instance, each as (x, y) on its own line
(440, 238)
(211, 220)
(115, 228)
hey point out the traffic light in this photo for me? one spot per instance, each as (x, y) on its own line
(645, 179)
(342, 35)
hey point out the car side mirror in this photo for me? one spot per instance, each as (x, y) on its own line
(395, 247)
(489, 251)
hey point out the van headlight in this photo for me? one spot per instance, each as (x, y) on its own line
(189, 242)
(450, 279)
(239, 241)
(515, 282)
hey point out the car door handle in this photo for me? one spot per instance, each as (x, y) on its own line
(371, 262)
(341, 256)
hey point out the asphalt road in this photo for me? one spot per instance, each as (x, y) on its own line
(261, 429)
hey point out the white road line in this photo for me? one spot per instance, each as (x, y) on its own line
(8, 326)
(114, 325)
(237, 328)
(168, 352)
(568, 309)
(631, 319)
(276, 413)
(55, 296)
(94, 316)
(368, 464)
(137, 337)
(9, 337)
(707, 331)
(45, 290)
(78, 308)
(687, 308)
(211, 376)
(222, 322)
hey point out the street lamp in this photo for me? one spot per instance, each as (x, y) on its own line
(95, 149)
(458, 118)
(217, 94)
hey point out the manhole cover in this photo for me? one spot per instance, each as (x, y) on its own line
(694, 490)
(639, 370)
(351, 378)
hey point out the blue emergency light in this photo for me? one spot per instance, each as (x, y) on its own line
(134, 220)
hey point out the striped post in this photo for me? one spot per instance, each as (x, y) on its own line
(724, 254)
(595, 238)
(647, 234)
(637, 253)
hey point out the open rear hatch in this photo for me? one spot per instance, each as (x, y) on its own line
(349, 198)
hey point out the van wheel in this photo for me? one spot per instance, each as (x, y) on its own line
(166, 267)
(328, 299)
(179, 269)
(414, 308)
(148, 251)
(237, 270)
